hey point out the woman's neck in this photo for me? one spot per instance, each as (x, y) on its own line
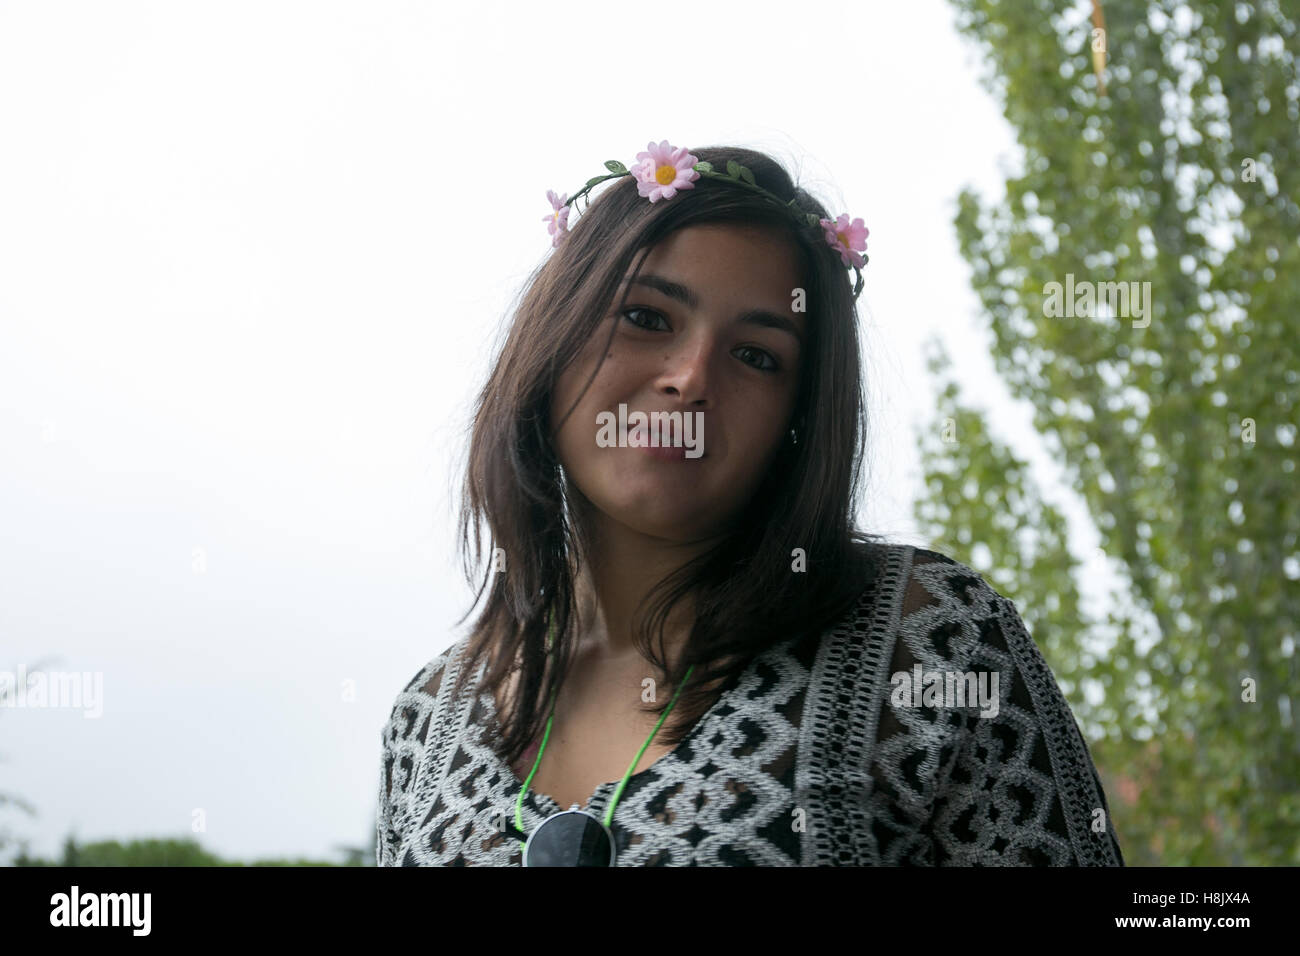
(622, 568)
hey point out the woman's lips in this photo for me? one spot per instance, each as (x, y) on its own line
(637, 436)
(669, 453)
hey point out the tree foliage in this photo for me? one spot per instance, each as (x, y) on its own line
(1177, 428)
(165, 852)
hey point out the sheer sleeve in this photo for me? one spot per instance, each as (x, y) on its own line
(384, 833)
(402, 753)
(979, 760)
(1023, 789)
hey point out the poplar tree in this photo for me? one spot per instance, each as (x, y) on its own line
(1160, 144)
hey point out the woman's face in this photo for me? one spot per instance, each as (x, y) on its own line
(720, 343)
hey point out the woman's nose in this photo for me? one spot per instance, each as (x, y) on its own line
(688, 369)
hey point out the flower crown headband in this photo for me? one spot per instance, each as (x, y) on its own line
(664, 169)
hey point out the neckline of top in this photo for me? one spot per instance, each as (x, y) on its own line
(547, 806)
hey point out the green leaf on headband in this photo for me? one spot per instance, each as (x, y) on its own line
(594, 180)
(614, 166)
(733, 169)
(746, 175)
(703, 167)
(812, 219)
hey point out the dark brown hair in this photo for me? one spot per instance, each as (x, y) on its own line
(747, 597)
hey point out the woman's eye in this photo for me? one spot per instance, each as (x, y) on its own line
(642, 324)
(769, 364)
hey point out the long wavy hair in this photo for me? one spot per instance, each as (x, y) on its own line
(748, 594)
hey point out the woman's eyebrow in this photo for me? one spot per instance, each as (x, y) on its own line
(686, 296)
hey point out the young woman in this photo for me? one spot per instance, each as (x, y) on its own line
(667, 459)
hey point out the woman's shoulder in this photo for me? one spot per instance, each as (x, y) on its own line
(916, 576)
(967, 701)
(935, 617)
(939, 579)
(929, 596)
(417, 699)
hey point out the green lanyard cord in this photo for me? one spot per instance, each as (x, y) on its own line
(609, 814)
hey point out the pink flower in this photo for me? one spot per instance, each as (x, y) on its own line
(664, 170)
(558, 218)
(847, 239)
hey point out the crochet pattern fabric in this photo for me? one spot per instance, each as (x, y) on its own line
(807, 758)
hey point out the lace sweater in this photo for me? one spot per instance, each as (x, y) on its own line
(815, 756)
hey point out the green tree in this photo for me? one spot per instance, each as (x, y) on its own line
(163, 852)
(1173, 415)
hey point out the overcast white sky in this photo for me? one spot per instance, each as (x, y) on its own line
(253, 257)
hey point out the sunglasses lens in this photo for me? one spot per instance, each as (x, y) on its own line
(569, 839)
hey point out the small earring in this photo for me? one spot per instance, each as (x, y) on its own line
(794, 437)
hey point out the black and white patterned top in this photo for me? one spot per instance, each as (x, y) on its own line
(813, 756)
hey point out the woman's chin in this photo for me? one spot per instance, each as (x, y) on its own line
(660, 517)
